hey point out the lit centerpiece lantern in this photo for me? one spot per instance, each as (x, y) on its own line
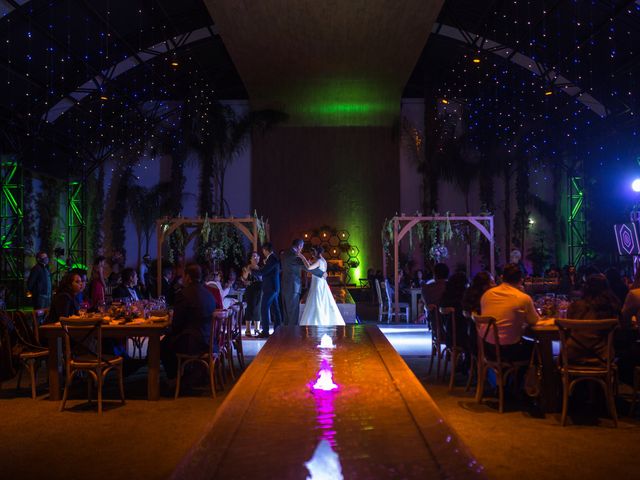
(326, 342)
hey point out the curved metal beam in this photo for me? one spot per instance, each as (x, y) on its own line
(507, 53)
(554, 78)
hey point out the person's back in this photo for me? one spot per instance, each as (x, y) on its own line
(504, 303)
(598, 303)
(194, 306)
(432, 292)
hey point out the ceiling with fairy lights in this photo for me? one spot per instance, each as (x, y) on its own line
(80, 79)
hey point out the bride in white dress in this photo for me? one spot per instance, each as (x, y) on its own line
(320, 308)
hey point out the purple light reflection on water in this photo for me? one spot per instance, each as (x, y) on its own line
(325, 463)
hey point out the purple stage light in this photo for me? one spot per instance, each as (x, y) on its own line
(635, 185)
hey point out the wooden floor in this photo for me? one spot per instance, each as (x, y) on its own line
(379, 423)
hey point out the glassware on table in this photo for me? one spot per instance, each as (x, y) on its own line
(82, 311)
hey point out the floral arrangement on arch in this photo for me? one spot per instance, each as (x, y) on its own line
(438, 252)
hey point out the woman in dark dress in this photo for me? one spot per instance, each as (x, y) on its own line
(65, 302)
(252, 293)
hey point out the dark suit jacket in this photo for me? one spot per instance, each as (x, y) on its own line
(432, 292)
(39, 283)
(270, 274)
(121, 293)
(192, 313)
(292, 266)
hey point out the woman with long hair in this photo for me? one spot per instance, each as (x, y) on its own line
(65, 302)
(97, 284)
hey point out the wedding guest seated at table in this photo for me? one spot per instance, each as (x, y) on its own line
(65, 301)
(432, 292)
(616, 284)
(598, 302)
(452, 297)
(504, 303)
(128, 289)
(418, 279)
(482, 282)
(83, 296)
(190, 329)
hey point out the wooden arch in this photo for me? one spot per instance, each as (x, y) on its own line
(248, 226)
(403, 224)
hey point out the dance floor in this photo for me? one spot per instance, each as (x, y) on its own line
(378, 422)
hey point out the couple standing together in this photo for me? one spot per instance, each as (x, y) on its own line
(320, 307)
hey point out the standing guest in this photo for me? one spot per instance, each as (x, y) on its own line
(598, 302)
(616, 284)
(190, 330)
(504, 303)
(39, 282)
(144, 274)
(432, 292)
(117, 265)
(128, 289)
(65, 303)
(270, 274)
(292, 267)
(482, 282)
(166, 284)
(98, 285)
(252, 293)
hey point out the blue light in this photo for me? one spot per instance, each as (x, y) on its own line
(635, 185)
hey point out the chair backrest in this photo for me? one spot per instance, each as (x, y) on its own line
(25, 329)
(39, 317)
(378, 291)
(484, 325)
(219, 333)
(217, 294)
(587, 336)
(387, 292)
(433, 316)
(87, 337)
(448, 321)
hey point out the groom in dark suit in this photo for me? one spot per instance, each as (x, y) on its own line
(270, 274)
(291, 283)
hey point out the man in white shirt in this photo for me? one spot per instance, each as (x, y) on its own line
(506, 303)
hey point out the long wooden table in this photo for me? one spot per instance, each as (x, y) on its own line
(148, 329)
(380, 423)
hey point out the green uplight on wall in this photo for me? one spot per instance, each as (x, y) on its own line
(341, 102)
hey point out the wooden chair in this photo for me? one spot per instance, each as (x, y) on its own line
(636, 389)
(85, 355)
(403, 307)
(502, 367)
(237, 333)
(452, 351)
(209, 358)
(436, 337)
(225, 342)
(32, 353)
(473, 349)
(39, 317)
(600, 370)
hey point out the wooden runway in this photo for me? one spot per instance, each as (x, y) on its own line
(380, 423)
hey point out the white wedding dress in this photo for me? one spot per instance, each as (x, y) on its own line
(320, 308)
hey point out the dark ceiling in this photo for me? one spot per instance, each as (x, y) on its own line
(49, 49)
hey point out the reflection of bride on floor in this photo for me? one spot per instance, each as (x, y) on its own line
(320, 307)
